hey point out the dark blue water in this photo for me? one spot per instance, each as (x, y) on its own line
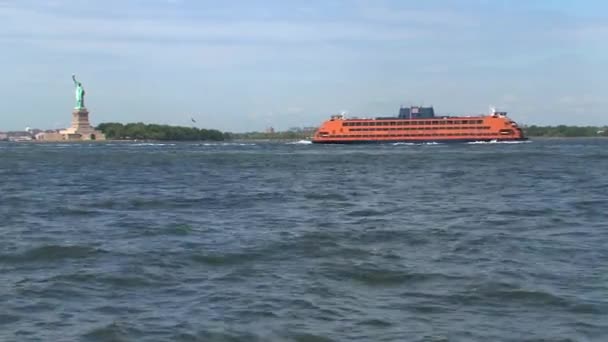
(293, 242)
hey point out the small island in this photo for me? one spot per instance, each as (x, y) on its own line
(141, 131)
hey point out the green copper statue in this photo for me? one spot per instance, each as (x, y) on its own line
(79, 93)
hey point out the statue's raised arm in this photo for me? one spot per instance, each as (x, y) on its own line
(74, 79)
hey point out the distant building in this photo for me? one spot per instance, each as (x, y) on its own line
(3, 136)
(270, 130)
(302, 129)
(19, 136)
(50, 135)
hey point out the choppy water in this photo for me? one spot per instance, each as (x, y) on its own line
(297, 242)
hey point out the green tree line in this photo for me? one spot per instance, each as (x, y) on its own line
(141, 131)
(565, 131)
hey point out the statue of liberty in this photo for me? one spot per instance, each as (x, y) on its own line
(79, 93)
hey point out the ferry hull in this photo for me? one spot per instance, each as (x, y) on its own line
(445, 141)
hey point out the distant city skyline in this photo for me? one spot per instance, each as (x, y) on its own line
(248, 65)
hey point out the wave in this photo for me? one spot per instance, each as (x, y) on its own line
(498, 142)
(416, 143)
(111, 332)
(300, 142)
(226, 144)
(151, 144)
(52, 253)
(375, 276)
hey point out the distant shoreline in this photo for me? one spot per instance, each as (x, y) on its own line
(238, 141)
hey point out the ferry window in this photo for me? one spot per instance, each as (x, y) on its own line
(435, 122)
(465, 122)
(479, 122)
(450, 122)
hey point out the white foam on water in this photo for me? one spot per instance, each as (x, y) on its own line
(226, 144)
(498, 142)
(152, 144)
(300, 142)
(416, 144)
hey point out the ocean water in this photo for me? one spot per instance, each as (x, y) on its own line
(300, 242)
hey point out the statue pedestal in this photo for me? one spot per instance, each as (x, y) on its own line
(81, 128)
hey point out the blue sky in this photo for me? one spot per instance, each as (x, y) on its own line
(246, 65)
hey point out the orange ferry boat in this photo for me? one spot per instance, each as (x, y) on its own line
(416, 125)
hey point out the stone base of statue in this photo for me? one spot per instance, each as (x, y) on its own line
(81, 128)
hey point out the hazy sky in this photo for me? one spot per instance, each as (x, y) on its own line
(244, 65)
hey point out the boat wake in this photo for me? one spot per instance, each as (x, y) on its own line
(152, 144)
(498, 142)
(416, 144)
(300, 142)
